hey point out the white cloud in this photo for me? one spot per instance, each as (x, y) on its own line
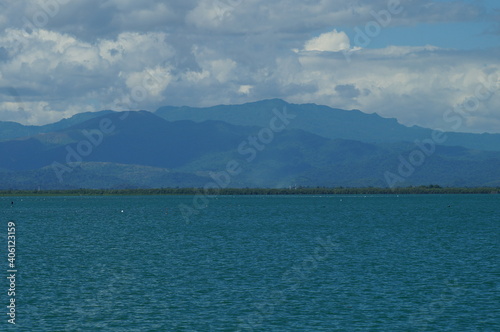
(151, 81)
(330, 41)
(212, 13)
(415, 85)
(65, 72)
(91, 55)
(245, 89)
(222, 69)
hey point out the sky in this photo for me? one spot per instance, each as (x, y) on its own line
(423, 62)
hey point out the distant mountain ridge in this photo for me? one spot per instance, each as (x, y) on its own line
(327, 122)
(321, 120)
(12, 130)
(143, 150)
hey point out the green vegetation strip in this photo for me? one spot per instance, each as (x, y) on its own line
(432, 189)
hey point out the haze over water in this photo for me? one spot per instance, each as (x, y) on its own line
(261, 263)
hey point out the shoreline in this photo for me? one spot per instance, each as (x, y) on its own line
(256, 191)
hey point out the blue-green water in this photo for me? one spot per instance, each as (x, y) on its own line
(258, 263)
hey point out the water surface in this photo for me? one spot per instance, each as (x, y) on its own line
(261, 263)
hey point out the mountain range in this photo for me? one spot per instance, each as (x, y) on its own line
(270, 143)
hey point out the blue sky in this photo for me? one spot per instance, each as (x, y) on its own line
(432, 57)
(473, 34)
(453, 35)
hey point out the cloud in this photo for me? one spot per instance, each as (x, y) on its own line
(87, 55)
(213, 14)
(93, 19)
(347, 91)
(66, 73)
(331, 41)
(417, 85)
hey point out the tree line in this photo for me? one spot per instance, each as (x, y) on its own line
(430, 189)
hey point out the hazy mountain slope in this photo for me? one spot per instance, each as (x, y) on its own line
(139, 138)
(327, 122)
(99, 176)
(140, 149)
(12, 130)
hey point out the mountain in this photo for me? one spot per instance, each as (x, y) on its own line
(139, 138)
(10, 130)
(141, 149)
(99, 175)
(327, 122)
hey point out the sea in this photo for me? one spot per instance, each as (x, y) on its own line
(251, 263)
